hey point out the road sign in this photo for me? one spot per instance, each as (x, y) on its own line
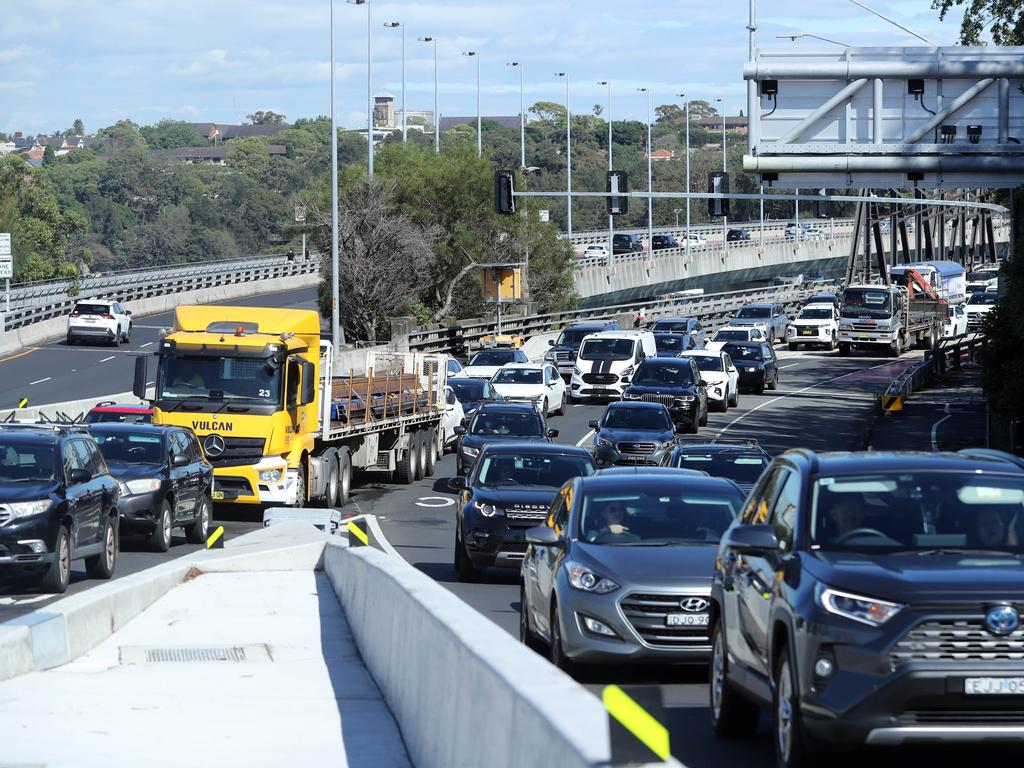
(300, 213)
(543, 214)
(5, 244)
(6, 269)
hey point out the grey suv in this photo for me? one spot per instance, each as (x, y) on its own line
(768, 316)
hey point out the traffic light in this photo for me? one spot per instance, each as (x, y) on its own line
(718, 183)
(504, 192)
(618, 185)
(821, 206)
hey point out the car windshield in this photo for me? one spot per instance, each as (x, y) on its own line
(744, 352)
(739, 467)
(732, 335)
(816, 313)
(918, 511)
(92, 309)
(662, 514)
(709, 362)
(671, 342)
(467, 391)
(866, 302)
(572, 337)
(670, 326)
(531, 470)
(515, 423)
(638, 418)
(27, 462)
(493, 357)
(607, 349)
(986, 299)
(754, 312)
(130, 447)
(518, 376)
(251, 379)
(654, 375)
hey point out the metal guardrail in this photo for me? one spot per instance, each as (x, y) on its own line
(951, 353)
(600, 236)
(713, 310)
(42, 302)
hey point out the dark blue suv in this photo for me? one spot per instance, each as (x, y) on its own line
(872, 598)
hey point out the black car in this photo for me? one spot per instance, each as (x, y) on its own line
(472, 393)
(627, 244)
(509, 491)
(496, 423)
(633, 433)
(58, 503)
(564, 349)
(671, 344)
(741, 461)
(661, 242)
(737, 235)
(756, 363)
(675, 382)
(872, 598)
(165, 480)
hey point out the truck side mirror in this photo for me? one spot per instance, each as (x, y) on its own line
(139, 385)
(308, 382)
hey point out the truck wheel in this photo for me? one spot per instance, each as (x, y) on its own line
(421, 447)
(430, 452)
(300, 485)
(101, 566)
(330, 458)
(409, 464)
(844, 349)
(344, 478)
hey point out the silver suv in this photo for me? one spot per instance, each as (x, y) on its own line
(769, 317)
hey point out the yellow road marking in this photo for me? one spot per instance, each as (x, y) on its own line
(636, 720)
(214, 536)
(28, 351)
(358, 533)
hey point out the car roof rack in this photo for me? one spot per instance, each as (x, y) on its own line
(62, 422)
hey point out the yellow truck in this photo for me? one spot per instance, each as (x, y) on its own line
(255, 384)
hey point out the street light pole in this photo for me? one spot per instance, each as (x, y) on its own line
(686, 106)
(479, 121)
(725, 219)
(437, 118)
(337, 335)
(568, 153)
(650, 180)
(522, 116)
(392, 25)
(611, 219)
(369, 85)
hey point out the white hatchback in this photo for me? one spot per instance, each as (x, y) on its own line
(94, 320)
(539, 383)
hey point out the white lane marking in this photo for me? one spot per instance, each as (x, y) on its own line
(742, 416)
(584, 439)
(435, 501)
(783, 367)
(40, 381)
(105, 359)
(935, 428)
(141, 346)
(23, 600)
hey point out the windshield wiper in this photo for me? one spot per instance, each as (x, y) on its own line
(952, 551)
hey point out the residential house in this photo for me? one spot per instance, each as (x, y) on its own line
(216, 132)
(737, 124)
(660, 155)
(216, 155)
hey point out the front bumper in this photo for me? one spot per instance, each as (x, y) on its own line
(138, 512)
(799, 335)
(15, 551)
(597, 391)
(242, 485)
(496, 541)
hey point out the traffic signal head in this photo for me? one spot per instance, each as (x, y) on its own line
(718, 183)
(618, 184)
(504, 192)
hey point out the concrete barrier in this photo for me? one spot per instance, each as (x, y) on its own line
(446, 672)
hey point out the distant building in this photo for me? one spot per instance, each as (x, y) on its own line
(35, 156)
(714, 123)
(384, 110)
(216, 155)
(426, 115)
(6, 148)
(216, 132)
(21, 142)
(659, 155)
(509, 121)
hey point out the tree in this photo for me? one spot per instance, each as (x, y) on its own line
(701, 108)
(549, 111)
(668, 113)
(1005, 16)
(248, 155)
(78, 127)
(49, 156)
(265, 118)
(172, 134)
(124, 134)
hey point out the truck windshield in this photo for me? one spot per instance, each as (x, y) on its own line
(248, 379)
(866, 302)
(607, 349)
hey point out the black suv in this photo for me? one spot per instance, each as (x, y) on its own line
(509, 492)
(627, 244)
(166, 482)
(756, 364)
(872, 598)
(661, 242)
(500, 423)
(674, 382)
(58, 503)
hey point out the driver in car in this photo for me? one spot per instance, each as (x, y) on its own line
(611, 518)
(846, 515)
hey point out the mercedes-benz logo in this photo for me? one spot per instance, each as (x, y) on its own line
(1002, 620)
(214, 446)
(693, 604)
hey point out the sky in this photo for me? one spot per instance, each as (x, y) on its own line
(217, 61)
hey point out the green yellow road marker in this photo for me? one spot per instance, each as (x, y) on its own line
(361, 537)
(635, 732)
(216, 539)
(23, 402)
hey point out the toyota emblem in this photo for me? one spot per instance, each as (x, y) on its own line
(214, 446)
(693, 604)
(1002, 620)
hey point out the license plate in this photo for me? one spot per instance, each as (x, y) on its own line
(807, 333)
(686, 620)
(218, 495)
(994, 686)
(864, 337)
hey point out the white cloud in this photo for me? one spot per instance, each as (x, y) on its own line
(12, 54)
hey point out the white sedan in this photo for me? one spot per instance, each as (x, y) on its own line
(486, 362)
(723, 380)
(740, 333)
(536, 382)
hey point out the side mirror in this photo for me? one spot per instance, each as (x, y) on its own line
(752, 540)
(552, 433)
(457, 484)
(680, 429)
(543, 536)
(551, 342)
(594, 424)
(459, 430)
(128, 312)
(701, 383)
(308, 383)
(179, 460)
(139, 385)
(76, 476)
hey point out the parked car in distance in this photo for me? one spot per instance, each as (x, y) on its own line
(677, 384)
(621, 571)
(768, 316)
(565, 348)
(720, 376)
(119, 413)
(756, 364)
(509, 491)
(538, 383)
(633, 433)
(671, 344)
(58, 504)
(814, 324)
(627, 244)
(821, 298)
(472, 393)
(500, 422)
(871, 599)
(795, 231)
(485, 363)
(165, 480)
(97, 320)
(737, 235)
(741, 461)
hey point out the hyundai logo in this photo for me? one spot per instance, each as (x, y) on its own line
(214, 446)
(693, 604)
(1002, 620)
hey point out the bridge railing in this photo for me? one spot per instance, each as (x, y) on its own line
(600, 236)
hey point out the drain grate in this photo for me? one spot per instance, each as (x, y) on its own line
(228, 653)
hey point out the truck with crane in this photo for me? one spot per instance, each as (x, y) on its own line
(257, 387)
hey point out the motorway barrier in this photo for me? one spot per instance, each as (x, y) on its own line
(951, 353)
(439, 664)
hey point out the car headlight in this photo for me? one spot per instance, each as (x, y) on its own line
(627, 372)
(685, 399)
(790, 331)
(142, 485)
(550, 357)
(471, 452)
(272, 475)
(585, 580)
(627, 395)
(602, 442)
(489, 510)
(751, 369)
(29, 508)
(576, 371)
(866, 610)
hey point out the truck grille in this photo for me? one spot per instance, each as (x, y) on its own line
(238, 451)
(864, 327)
(565, 357)
(957, 640)
(636, 447)
(600, 378)
(646, 614)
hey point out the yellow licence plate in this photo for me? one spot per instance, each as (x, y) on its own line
(218, 495)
